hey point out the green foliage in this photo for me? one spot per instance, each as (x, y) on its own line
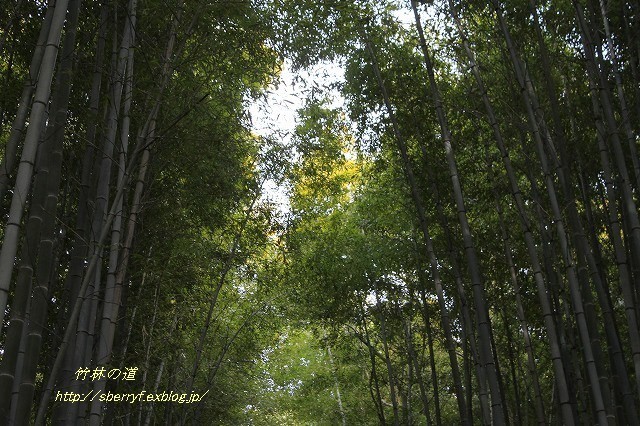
(277, 313)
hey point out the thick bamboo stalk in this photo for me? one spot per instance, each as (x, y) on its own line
(111, 302)
(37, 119)
(79, 246)
(19, 122)
(40, 231)
(75, 313)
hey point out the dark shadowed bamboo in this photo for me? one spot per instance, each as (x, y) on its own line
(624, 109)
(111, 300)
(148, 133)
(132, 319)
(6, 27)
(486, 356)
(630, 32)
(524, 328)
(621, 259)
(606, 131)
(561, 311)
(630, 210)
(37, 251)
(119, 258)
(85, 339)
(91, 265)
(465, 311)
(561, 162)
(37, 120)
(574, 286)
(79, 245)
(9, 157)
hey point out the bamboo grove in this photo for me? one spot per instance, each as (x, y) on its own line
(461, 243)
(113, 114)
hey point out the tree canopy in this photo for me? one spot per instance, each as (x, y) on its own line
(459, 244)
